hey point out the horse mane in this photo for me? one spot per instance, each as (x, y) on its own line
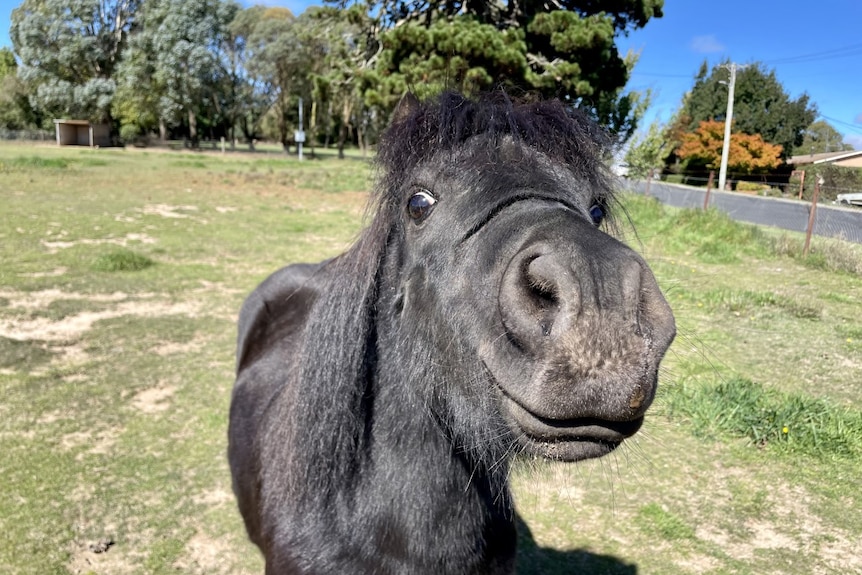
(340, 337)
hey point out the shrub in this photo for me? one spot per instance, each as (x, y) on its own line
(751, 187)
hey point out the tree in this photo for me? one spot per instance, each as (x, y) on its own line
(749, 154)
(137, 109)
(15, 110)
(8, 65)
(177, 53)
(279, 62)
(761, 106)
(821, 137)
(564, 49)
(648, 151)
(337, 42)
(249, 101)
(68, 53)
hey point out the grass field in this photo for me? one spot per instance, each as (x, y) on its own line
(121, 276)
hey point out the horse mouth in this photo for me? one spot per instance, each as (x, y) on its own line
(567, 439)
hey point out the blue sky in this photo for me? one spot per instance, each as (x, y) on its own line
(814, 47)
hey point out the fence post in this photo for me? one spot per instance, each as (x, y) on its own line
(648, 181)
(801, 174)
(811, 214)
(708, 188)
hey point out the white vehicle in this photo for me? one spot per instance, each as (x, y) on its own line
(848, 199)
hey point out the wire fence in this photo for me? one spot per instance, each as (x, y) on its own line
(773, 184)
(788, 214)
(27, 135)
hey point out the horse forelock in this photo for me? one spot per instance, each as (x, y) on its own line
(560, 132)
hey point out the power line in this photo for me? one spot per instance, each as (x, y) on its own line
(855, 127)
(658, 75)
(835, 53)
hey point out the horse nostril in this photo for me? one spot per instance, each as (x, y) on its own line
(540, 275)
(531, 297)
(541, 283)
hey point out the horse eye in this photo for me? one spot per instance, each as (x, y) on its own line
(597, 214)
(419, 206)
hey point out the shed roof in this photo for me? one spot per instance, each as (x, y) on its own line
(74, 122)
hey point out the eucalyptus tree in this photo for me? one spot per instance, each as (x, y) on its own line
(337, 43)
(176, 54)
(69, 51)
(821, 137)
(279, 64)
(250, 98)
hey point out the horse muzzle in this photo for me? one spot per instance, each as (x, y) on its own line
(586, 327)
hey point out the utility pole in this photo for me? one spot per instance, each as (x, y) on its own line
(725, 149)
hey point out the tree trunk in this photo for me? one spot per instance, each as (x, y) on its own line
(193, 128)
(163, 130)
(345, 127)
(326, 141)
(342, 135)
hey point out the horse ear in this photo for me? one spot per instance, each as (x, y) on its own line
(408, 104)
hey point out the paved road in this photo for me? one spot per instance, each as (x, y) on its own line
(832, 221)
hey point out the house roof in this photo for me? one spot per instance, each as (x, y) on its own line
(825, 158)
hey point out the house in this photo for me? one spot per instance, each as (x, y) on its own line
(82, 133)
(852, 159)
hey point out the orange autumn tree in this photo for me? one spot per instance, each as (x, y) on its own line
(749, 154)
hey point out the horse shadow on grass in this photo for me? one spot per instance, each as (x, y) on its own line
(536, 560)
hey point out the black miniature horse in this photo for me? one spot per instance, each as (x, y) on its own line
(381, 395)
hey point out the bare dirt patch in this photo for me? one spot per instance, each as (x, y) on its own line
(44, 298)
(57, 272)
(215, 497)
(72, 327)
(168, 211)
(102, 555)
(174, 348)
(154, 399)
(790, 524)
(172, 212)
(98, 442)
(54, 247)
(204, 554)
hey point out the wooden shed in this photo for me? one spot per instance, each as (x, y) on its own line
(82, 133)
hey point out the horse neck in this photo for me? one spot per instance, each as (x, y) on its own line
(427, 490)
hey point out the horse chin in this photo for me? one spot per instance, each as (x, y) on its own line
(567, 439)
(569, 451)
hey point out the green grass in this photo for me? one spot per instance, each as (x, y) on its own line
(122, 261)
(786, 423)
(742, 301)
(122, 275)
(655, 520)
